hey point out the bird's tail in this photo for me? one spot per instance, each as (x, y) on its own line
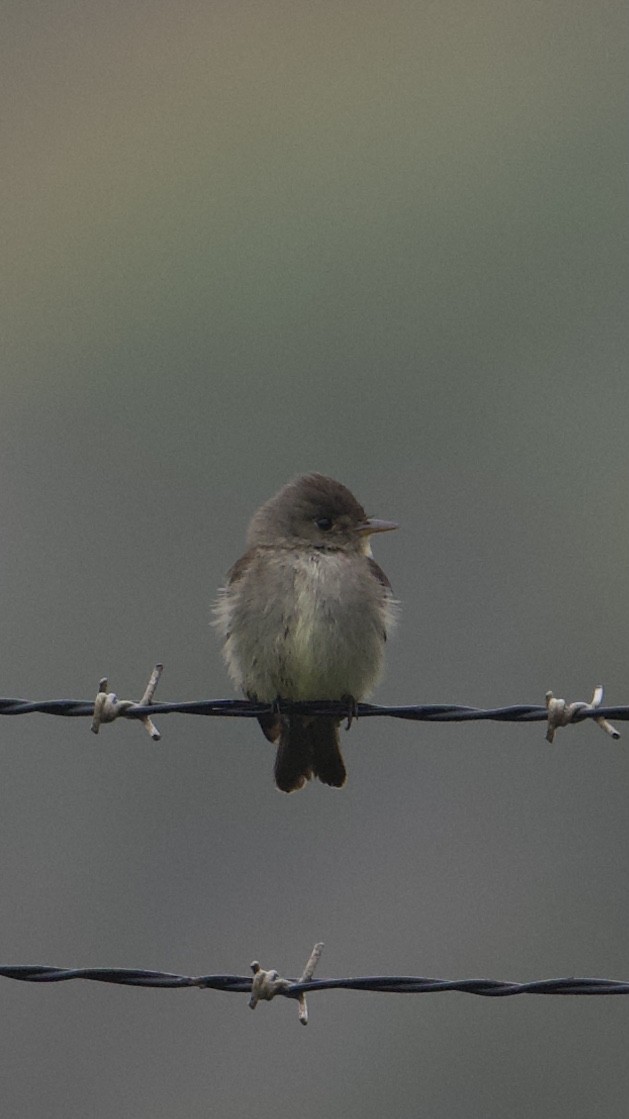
(308, 748)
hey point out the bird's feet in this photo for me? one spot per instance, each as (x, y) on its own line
(352, 709)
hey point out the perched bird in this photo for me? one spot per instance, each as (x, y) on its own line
(304, 615)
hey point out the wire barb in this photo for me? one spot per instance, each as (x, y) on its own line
(108, 707)
(561, 714)
(267, 984)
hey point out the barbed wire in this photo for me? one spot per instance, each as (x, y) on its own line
(107, 707)
(383, 984)
(267, 984)
(249, 709)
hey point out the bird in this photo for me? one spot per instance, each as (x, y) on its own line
(304, 615)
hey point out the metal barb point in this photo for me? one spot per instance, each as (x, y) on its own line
(561, 714)
(267, 984)
(306, 975)
(108, 707)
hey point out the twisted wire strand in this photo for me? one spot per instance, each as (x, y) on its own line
(384, 984)
(248, 709)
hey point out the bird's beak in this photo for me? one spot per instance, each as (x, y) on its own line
(372, 524)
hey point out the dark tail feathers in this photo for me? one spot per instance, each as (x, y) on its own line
(308, 748)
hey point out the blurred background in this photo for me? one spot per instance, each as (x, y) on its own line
(386, 242)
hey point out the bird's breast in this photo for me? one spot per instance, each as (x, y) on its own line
(305, 625)
(332, 641)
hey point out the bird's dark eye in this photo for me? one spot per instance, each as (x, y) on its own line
(324, 523)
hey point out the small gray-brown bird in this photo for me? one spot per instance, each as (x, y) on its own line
(305, 615)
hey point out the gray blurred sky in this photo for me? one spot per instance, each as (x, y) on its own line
(388, 242)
